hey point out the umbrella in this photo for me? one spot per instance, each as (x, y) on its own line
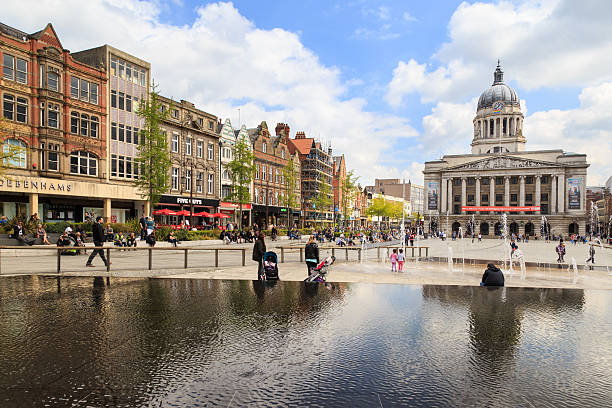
(164, 211)
(203, 214)
(183, 212)
(220, 215)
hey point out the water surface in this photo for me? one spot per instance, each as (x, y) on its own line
(213, 343)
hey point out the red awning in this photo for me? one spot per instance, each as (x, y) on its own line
(219, 215)
(202, 214)
(164, 211)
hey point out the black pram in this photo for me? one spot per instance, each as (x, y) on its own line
(270, 266)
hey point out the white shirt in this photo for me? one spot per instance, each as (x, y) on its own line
(68, 229)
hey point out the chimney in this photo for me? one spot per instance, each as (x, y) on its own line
(300, 135)
(282, 128)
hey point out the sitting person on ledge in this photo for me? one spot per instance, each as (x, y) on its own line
(20, 235)
(172, 239)
(131, 240)
(120, 240)
(493, 276)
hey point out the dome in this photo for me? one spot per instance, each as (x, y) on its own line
(498, 92)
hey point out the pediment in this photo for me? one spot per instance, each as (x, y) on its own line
(503, 162)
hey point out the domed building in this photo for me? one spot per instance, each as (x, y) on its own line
(540, 190)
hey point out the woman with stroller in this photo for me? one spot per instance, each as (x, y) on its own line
(311, 254)
(259, 249)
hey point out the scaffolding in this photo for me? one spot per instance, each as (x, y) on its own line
(317, 169)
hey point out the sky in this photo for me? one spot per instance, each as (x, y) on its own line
(390, 84)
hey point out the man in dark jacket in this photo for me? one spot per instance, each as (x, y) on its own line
(259, 249)
(143, 228)
(98, 238)
(493, 276)
(19, 234)
(311, 254)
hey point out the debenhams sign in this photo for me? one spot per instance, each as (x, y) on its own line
(44, 185)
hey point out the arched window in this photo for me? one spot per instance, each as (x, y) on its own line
(15, 153)
(83, 163)
(84, 124)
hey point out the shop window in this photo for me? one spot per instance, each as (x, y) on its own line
(83, 163)
(15, 153)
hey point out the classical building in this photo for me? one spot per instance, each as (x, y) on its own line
(499, 172)
(54, 117)
(194, 152)
(317, 170)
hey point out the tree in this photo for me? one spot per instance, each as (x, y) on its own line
(323, 200)
(153, 154)
(349, 188)
(241, 170)
(8, 153)
(289, 200)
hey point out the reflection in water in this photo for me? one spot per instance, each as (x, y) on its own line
(206, 342)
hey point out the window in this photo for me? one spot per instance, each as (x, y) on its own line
(49, 159)
(43, 114)
(513, 197)
(485, 198)
(276, 179)
(113, 99)
(210, 125)
(256, 195)
(210, 151)
(544, 197)
(143, 78)
(8, 62)
(136, 104)
(22, 110)
(74, 87)
(270, 198)
(199, 182)
(257, 172)
(264, 147)
(499, 181)
(528, 197)
(121, 132)
(128, 167)
(187, 180)
(201, 122)
(128, 71)
(263, 172)
(270, 170)
(9, 107)
(471, 181)
(83, 163)
(457, 198)
(544, 179)
(282, 153)
(200, 149)
(128, 103)
(188, 146)
(175, 176)
(513, 180)
(529, 180)
(470, 197)
(485, 181)
(15, 69)
(121, 100)
(18, 148)
(128, 134)
(113, 65)
(53, 118)
(136, 135)
(22, 70)
(121, 69)
(499, 198)
(84, 90)
(175, 113)
(175, 143)
(53, 81)
(211, 183)
(113, 165)
(113, 131)
(456, 182)
(84, 125)
(12, 110)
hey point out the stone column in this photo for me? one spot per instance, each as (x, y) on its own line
(146, 209)
(561, 193)
(107, 210)
(443, 192)
(491, 191)
(477, 193)
(463, 191)
(522, 192)
(553, 194)
(33, 198)
(506, 191)
(449, 197)
(538, 193)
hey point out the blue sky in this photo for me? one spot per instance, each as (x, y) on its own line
(390, 84)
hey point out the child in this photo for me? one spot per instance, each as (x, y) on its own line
(400, 260)
(393, 258)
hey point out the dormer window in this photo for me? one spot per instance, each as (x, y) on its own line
(264, 147)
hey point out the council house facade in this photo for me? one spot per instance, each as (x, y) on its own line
(500, 172)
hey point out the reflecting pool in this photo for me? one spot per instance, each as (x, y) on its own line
(82, 342)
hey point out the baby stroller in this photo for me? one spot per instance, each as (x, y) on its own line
(270, 266)
(319, 274)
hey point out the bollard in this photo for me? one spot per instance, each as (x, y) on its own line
(378, 253)
(216, 258)
(301, 254)
(59, 262)
(282, 254)
(334, 252)
(420, 251)
(412, 252)
(107, 259)
(346, 249)
(359, 255)
(186, 258)
(150, 258)
(243, 257)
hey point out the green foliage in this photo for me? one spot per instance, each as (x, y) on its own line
(241, 170)
(153, 154)
(290, 199)
(349, 190)
(323, 200)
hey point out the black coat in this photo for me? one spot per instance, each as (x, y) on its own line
(98, 232)
(259, 249)
(493, 276)
(312, 251)
(17, 230)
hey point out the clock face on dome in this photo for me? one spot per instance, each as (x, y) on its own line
(497, 107)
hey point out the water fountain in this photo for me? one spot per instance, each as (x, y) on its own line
(505, 247)
(575, 268)
(450, 259)
(601, 247)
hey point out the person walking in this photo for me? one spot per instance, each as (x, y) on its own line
(560, 251)
(479, 237)
(259, 249)
(311, 253)
(401, 258)
(393, 258)
(591, 255)
(98, 238)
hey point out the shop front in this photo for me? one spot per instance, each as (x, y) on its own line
(233, 210)
(269, 215)
(181, 203)
(57, 200)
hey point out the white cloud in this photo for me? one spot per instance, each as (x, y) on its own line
(408, 17)
(448, 129)
(222, 58)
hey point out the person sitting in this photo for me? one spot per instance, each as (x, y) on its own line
(65, 241)
(492, 276)
(42, 234)
(119, 240)
(172, 239)
(109, 232)
(131, 240)
(225, 236)
(78, 242)
(19, 235)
